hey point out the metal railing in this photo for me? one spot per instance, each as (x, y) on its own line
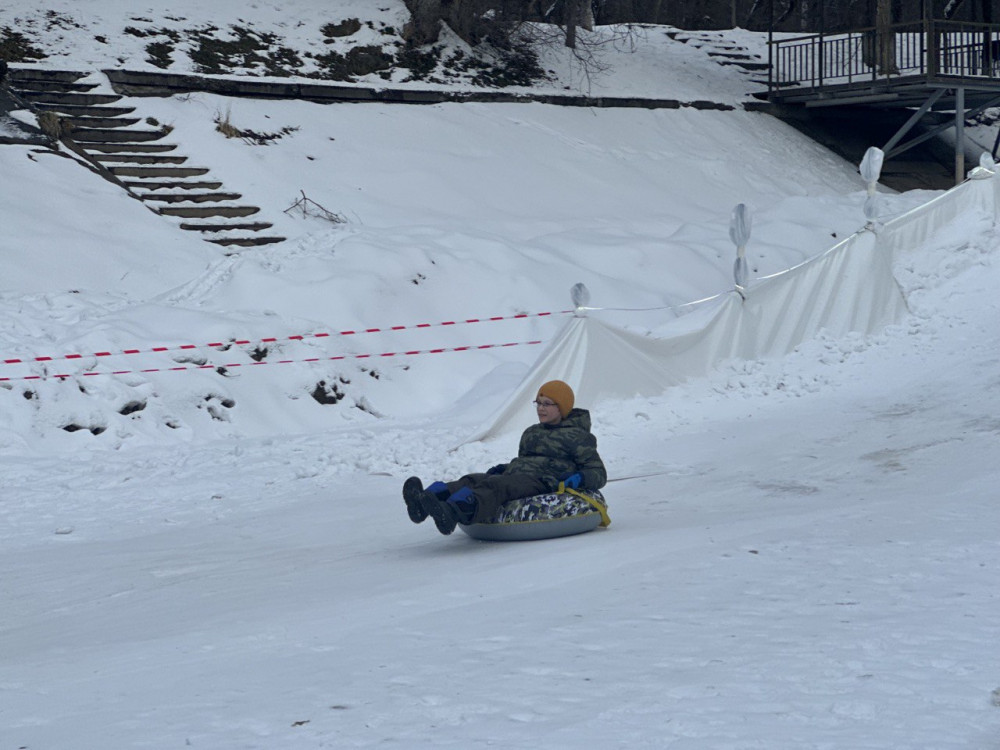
(926, 49)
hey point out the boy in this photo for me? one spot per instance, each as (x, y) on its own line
(560, 448)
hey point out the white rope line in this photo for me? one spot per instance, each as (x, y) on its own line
(653, 309)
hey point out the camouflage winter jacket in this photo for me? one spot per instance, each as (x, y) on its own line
(553, 452)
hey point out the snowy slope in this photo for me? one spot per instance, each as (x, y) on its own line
(811, 565)
(803, 551)
(440, 203)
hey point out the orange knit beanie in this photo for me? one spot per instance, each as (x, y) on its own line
(559, 392)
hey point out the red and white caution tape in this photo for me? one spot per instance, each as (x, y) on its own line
(232, 365)
(273, 339)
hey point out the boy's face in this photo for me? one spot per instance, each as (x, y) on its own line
(547, 410)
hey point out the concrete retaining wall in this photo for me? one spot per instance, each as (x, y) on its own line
(149, 83)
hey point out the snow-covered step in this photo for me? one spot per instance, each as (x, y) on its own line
(219, 227)
(130, 148)
(127, 158)
(19, 75)
(195, 211)
(62, 87)
(111, 135)
(84, 110)
(70, 99)
(154, 185)
(100, 123)
(157, 171)
(173, 195)
(738, 53)
(752, 66)
(245, 241)
(191, 197)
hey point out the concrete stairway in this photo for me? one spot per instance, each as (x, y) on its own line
(106, 131)
(725, 52)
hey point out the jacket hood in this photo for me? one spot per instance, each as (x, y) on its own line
(579, 418)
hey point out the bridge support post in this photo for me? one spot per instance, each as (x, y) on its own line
(959, 135)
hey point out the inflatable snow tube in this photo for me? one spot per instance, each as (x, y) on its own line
(543, 517)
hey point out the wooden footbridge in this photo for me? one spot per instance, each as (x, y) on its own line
(946, 72)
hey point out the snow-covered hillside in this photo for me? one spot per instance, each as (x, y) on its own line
(451, 212)
(314, 38)
(803, 551)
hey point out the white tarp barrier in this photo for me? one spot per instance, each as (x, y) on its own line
(849, 288)
(912, 229)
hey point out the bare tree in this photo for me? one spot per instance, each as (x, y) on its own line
(474, 21)
(424, 25)
(577, 13)
(886, 39)
(879, 46)
(498, 22)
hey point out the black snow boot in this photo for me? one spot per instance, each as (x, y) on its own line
(444, 513)
(413, 488)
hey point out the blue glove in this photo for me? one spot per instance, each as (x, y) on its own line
(573, 481)
(498, 469)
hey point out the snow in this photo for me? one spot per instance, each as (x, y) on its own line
(803, 551)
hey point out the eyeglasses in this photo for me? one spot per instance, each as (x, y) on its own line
(545, 404)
